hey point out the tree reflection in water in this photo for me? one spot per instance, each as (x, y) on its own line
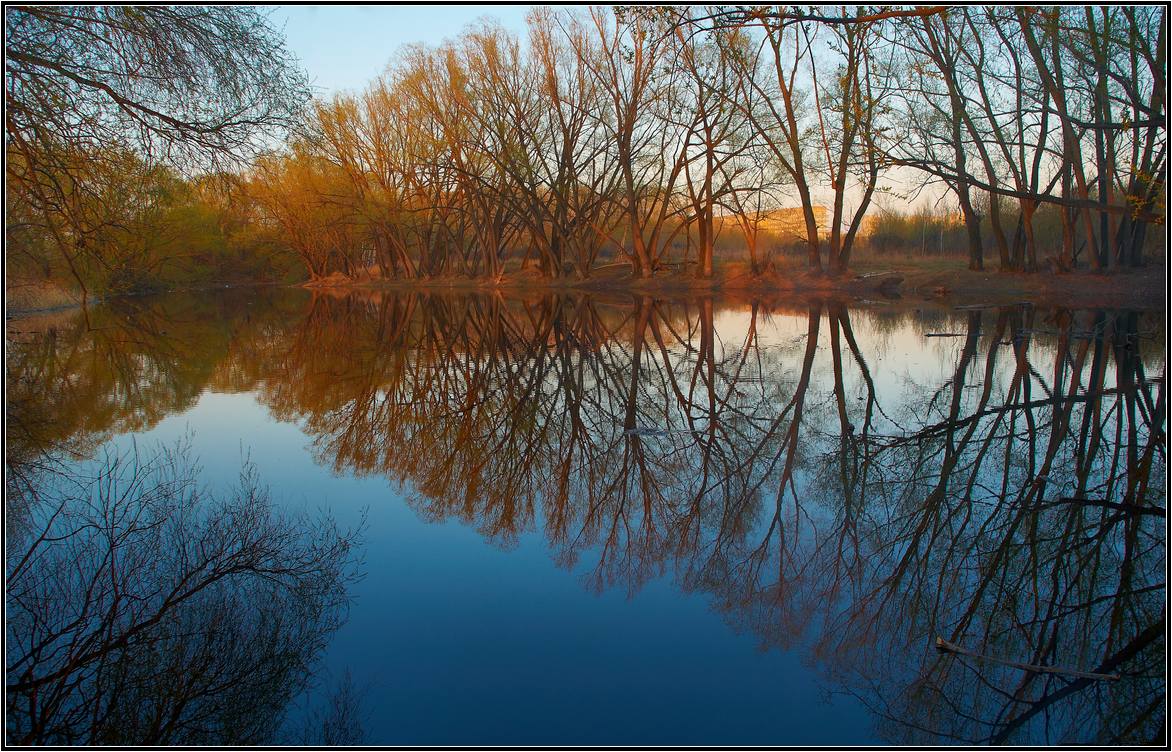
(141, 608)
(1012, 504)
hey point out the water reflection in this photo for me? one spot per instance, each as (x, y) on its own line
(142, 607)
(1005, 492)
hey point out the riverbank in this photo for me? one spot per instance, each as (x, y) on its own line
(946, 280)
(25, 298)
(45, 299)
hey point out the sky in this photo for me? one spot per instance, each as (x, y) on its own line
(343, 47)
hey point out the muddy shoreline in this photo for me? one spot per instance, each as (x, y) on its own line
(1134, 289)
(1144, 288)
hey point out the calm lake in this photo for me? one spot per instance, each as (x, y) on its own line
(627, 520)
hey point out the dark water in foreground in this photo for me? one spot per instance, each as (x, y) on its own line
(588, 521)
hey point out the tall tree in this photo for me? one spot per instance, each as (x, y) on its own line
(185, 85)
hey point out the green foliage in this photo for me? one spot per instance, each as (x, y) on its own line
(124, 227)
(104, 106)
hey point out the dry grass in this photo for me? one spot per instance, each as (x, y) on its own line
(22, 297)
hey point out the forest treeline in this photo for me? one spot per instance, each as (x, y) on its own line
(603, 137)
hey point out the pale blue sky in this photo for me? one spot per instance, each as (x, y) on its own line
(345, 46)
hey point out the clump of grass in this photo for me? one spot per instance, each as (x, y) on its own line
(22, 296)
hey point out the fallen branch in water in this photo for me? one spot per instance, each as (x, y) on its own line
(944, 646)
(1130, 508)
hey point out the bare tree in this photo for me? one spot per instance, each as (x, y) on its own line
(184, 85)
(143, 609)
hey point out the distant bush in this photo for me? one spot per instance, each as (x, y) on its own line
(925, 232)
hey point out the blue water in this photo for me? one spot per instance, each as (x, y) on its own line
(457, 641)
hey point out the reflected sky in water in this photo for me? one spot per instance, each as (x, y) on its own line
(635, 521)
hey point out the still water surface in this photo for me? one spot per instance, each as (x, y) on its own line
(624, 520)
